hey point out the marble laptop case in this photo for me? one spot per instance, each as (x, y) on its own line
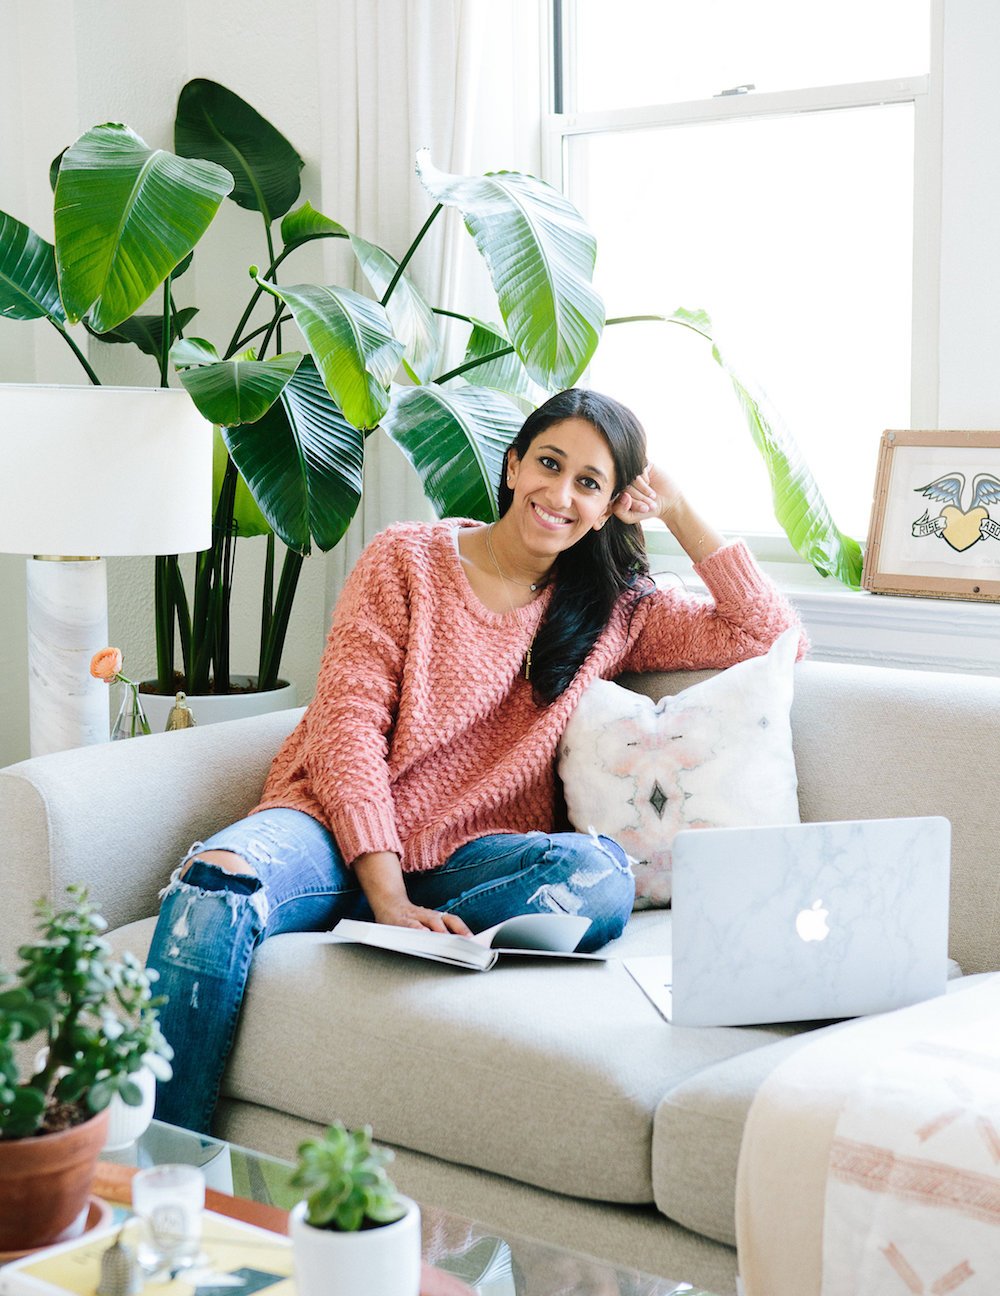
(808, 921)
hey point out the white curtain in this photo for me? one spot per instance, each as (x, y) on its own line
(447, 75)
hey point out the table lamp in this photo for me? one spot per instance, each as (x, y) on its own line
(87, 472)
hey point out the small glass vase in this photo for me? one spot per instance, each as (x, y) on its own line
(131, 722)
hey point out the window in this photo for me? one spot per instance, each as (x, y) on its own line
(759, 162)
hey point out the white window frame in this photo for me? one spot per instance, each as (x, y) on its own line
(844, 625)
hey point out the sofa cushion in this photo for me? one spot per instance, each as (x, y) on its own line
(718, 754)
(699, 1125)
(546, 1071)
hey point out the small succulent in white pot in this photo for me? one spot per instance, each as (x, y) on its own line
(353, 1231)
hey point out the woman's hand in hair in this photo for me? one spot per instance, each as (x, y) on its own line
(653, 494)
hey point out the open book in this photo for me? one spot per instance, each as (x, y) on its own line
(549, 935)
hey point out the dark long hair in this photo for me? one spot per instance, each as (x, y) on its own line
(592, 575)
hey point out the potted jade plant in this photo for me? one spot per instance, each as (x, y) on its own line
(96, 1017)
(353, 1232)
(310, 370)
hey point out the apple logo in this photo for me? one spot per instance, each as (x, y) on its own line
(811, 924)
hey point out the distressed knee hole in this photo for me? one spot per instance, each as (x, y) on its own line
(226, 860)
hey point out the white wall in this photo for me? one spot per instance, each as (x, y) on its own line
(969, 333)
(65, 66)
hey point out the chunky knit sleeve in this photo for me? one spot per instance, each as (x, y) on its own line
(357, 692)
(675, 631)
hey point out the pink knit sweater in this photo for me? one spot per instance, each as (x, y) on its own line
(423, 732)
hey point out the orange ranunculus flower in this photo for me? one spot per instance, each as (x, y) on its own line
(106, 664)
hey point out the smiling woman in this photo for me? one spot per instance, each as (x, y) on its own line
(419, 788)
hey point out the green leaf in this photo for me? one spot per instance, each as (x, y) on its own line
(507, 373)
(302, 463)
(455, 439)
(213, 122)
(412, 319)
(125, 216)
(799, 506)
(29, 288)
(306, 222)
(54, 166)
(130, 1093)
(193, 351)
(146, 331)
(248, 520)
(352, 342)
(239, 391)
(540, 255)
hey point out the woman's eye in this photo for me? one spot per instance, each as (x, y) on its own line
(547, 461)
(589, 483)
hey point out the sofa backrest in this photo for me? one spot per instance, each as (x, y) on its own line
(872, 742)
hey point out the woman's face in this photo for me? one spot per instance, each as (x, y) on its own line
(563, 487)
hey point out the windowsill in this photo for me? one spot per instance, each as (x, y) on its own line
(857, 626)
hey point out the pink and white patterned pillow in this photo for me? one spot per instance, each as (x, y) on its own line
(717, 755)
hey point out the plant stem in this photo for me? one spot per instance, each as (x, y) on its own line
(75, 349)
(473, 364)
(165, 340)
(201, 646)
(271, 660)
(245, 341)
(234, 343)
(267, 604)
(640, 319)
(440, 310)
(274, 324)
(409, 253)
(270, 253)
(163, 603)
(179, 595)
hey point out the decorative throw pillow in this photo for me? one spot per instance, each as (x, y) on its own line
(717, 755)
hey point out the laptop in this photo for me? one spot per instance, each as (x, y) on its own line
(804, 922)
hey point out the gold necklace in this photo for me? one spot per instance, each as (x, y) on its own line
(510, 601)
(533, 586)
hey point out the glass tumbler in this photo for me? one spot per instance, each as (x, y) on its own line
(169, 1200)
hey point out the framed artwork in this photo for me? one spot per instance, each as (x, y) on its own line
(935, 526)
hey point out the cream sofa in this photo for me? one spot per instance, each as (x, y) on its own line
(552, 1100)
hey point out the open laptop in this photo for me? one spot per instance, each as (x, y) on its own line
(804, 922)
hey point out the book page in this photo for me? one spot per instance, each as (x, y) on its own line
(549, 933)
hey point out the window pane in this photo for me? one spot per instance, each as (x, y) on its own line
(664, 51)
(795, 234)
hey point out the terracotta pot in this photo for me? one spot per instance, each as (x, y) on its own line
(45, 1184)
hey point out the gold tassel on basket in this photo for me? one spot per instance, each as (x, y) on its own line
(180, 716)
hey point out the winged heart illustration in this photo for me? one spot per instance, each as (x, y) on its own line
(962, 526)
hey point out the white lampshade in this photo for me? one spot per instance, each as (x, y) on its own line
(86, 472)
(103, 470)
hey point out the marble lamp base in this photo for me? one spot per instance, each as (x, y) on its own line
(67, 624)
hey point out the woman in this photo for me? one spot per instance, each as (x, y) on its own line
(419, 788)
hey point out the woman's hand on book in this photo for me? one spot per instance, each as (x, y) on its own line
(406, 914)
(381, 878)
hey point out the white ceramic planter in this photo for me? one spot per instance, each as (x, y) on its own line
(128, 1123)
(210, 708)
(377, 1262)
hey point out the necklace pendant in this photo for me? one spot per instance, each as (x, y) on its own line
(527, 663)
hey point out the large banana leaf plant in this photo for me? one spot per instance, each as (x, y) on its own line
(293, 421)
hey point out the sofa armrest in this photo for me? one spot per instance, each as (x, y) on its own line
(118, 817)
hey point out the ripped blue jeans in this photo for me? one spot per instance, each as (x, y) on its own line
(211, 920)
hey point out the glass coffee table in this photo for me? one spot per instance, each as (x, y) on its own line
(492, 1265)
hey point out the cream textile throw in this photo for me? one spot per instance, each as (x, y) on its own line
(870, 1162)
